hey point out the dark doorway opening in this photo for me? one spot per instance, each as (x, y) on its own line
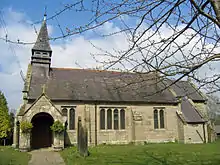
(41, 136)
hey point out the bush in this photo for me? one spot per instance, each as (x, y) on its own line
(57, 127)
(26, 126)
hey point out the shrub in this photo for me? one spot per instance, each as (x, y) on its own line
(57, 127)
(26, 126)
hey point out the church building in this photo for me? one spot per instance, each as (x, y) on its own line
(115, 107)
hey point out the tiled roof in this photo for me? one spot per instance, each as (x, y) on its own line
(185, 88)
(190, 114)
(93, 85)
(42, 42)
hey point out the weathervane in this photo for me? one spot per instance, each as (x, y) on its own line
(45, 13)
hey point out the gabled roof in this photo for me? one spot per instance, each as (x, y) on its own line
(190, 113)
(93, 85)
(185, 88)
(23, 111)
(42, 43)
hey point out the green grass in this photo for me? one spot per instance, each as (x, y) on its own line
(150, 154)
(8, 156)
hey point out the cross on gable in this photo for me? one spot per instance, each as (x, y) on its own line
(43, 89)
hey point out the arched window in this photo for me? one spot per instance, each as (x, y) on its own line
(109, 119)
(161, 119)
(156, 119)
(115, 119)
(102, 119)
(64, 112)
(72, 119)
(122, 118)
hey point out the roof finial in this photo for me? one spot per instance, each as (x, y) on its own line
(45, 17)
(45, 13)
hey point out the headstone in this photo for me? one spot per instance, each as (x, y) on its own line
(82, 139)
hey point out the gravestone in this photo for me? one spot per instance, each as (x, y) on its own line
(82, 139)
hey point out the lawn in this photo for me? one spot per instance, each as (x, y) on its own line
(149, 154)
(8, 156)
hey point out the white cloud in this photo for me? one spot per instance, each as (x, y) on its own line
(65, 54)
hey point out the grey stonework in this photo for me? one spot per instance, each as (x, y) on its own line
(48, 90)
(41, 105)
(139, 127)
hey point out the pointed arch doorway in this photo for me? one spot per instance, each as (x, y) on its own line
(41, 136)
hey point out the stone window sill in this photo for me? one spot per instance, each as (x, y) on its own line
(160, 129)
(112, 130)
(71, 130)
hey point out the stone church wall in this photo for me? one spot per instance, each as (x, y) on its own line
(202, 109)
(139, 124)
(144, 129)
(194, 133)
(180, 130)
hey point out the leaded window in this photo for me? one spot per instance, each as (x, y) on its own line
(156, 119)
(102, 119)
(64, 112)
(116, 119)
(72, 119)
(161, 119)
(122, 119)
(109, 119)
(112, 118)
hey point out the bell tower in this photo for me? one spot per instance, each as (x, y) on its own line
(41, 51)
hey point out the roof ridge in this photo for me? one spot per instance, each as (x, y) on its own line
(99, 70)
(194, 107)
(92, 70)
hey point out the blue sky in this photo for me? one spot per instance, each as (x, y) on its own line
(34, 11)
(72, 52)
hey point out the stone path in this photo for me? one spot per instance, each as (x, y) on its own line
(45, 157)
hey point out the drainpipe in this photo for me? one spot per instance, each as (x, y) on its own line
(204, 133)
(95, 124)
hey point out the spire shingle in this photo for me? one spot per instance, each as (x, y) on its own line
(42, 42)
